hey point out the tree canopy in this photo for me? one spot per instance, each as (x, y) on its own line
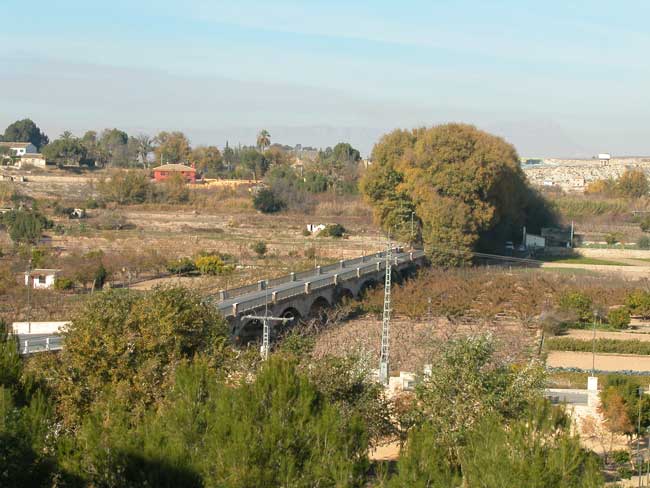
(132, 344)
(25, 130)
(67, 150)
(465, 187)
(172, 147)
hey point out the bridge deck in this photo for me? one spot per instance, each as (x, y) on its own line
(296, 284)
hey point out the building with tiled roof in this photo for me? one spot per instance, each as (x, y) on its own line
(161, 173)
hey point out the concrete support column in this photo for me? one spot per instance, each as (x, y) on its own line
(234, 309)
(336, 279)
(261, 285)
(222, 294)
(318, 270)
(358, 272)
(307, 288)
(293, 276)
(274, 297)
(342, 264)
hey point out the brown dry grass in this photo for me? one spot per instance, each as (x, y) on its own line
(413, 343)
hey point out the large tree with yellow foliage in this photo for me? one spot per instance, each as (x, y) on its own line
(464, 186)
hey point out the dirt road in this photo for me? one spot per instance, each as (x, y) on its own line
(604, 362)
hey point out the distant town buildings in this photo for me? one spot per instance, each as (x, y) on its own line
(573, 175)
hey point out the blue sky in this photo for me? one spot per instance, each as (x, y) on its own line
(553, 77)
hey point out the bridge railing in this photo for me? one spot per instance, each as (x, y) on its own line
(347, 275)
(243, 290)
(42, 344)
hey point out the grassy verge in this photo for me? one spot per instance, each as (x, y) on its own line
(612, 346)
(581, 260)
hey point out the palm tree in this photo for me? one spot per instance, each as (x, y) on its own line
(145, 144)
(263, 139)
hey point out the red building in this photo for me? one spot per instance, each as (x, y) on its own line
(161, 173)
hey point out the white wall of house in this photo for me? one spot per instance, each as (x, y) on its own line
(41, 281)
(28, 149)
(38, 327)
(32, 159)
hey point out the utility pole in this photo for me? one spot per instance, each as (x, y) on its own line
(385, 326)
(266, 326)
(29, 294)
(266, 331)
(638, 439)
(593, 347)
(412, 233)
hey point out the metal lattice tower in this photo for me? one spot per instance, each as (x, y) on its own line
(385, 326)
(266, 325)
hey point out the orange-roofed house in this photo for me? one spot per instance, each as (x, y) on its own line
(161, 173)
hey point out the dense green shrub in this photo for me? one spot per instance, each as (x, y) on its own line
(259, 248)
(620, 456)
(266, 201)
(638, 303)
(25, 226)
(619, 318)
(181, 266)
(332, 230)
(62, 283)
(611, 239)
(579, 303)
(212, 265)
(643, 242)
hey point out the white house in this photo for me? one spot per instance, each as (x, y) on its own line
(32, 159)
(20, 148)
(38, 327)
(40, 279)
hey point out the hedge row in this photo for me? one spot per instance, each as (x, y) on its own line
(634, 346)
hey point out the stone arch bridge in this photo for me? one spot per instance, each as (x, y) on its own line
(304, 294)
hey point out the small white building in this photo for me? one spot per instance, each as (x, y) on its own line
(32, 159)
(38, 327)
(20, 148)
(41, 279)
(315, 228)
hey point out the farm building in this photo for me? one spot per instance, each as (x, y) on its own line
(41, 278)
(20, 148)
(161, 173)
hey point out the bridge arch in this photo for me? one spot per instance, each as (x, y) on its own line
(294, 314)
(318, 308)
(248, 330)
(368, 284)
(343, 294)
